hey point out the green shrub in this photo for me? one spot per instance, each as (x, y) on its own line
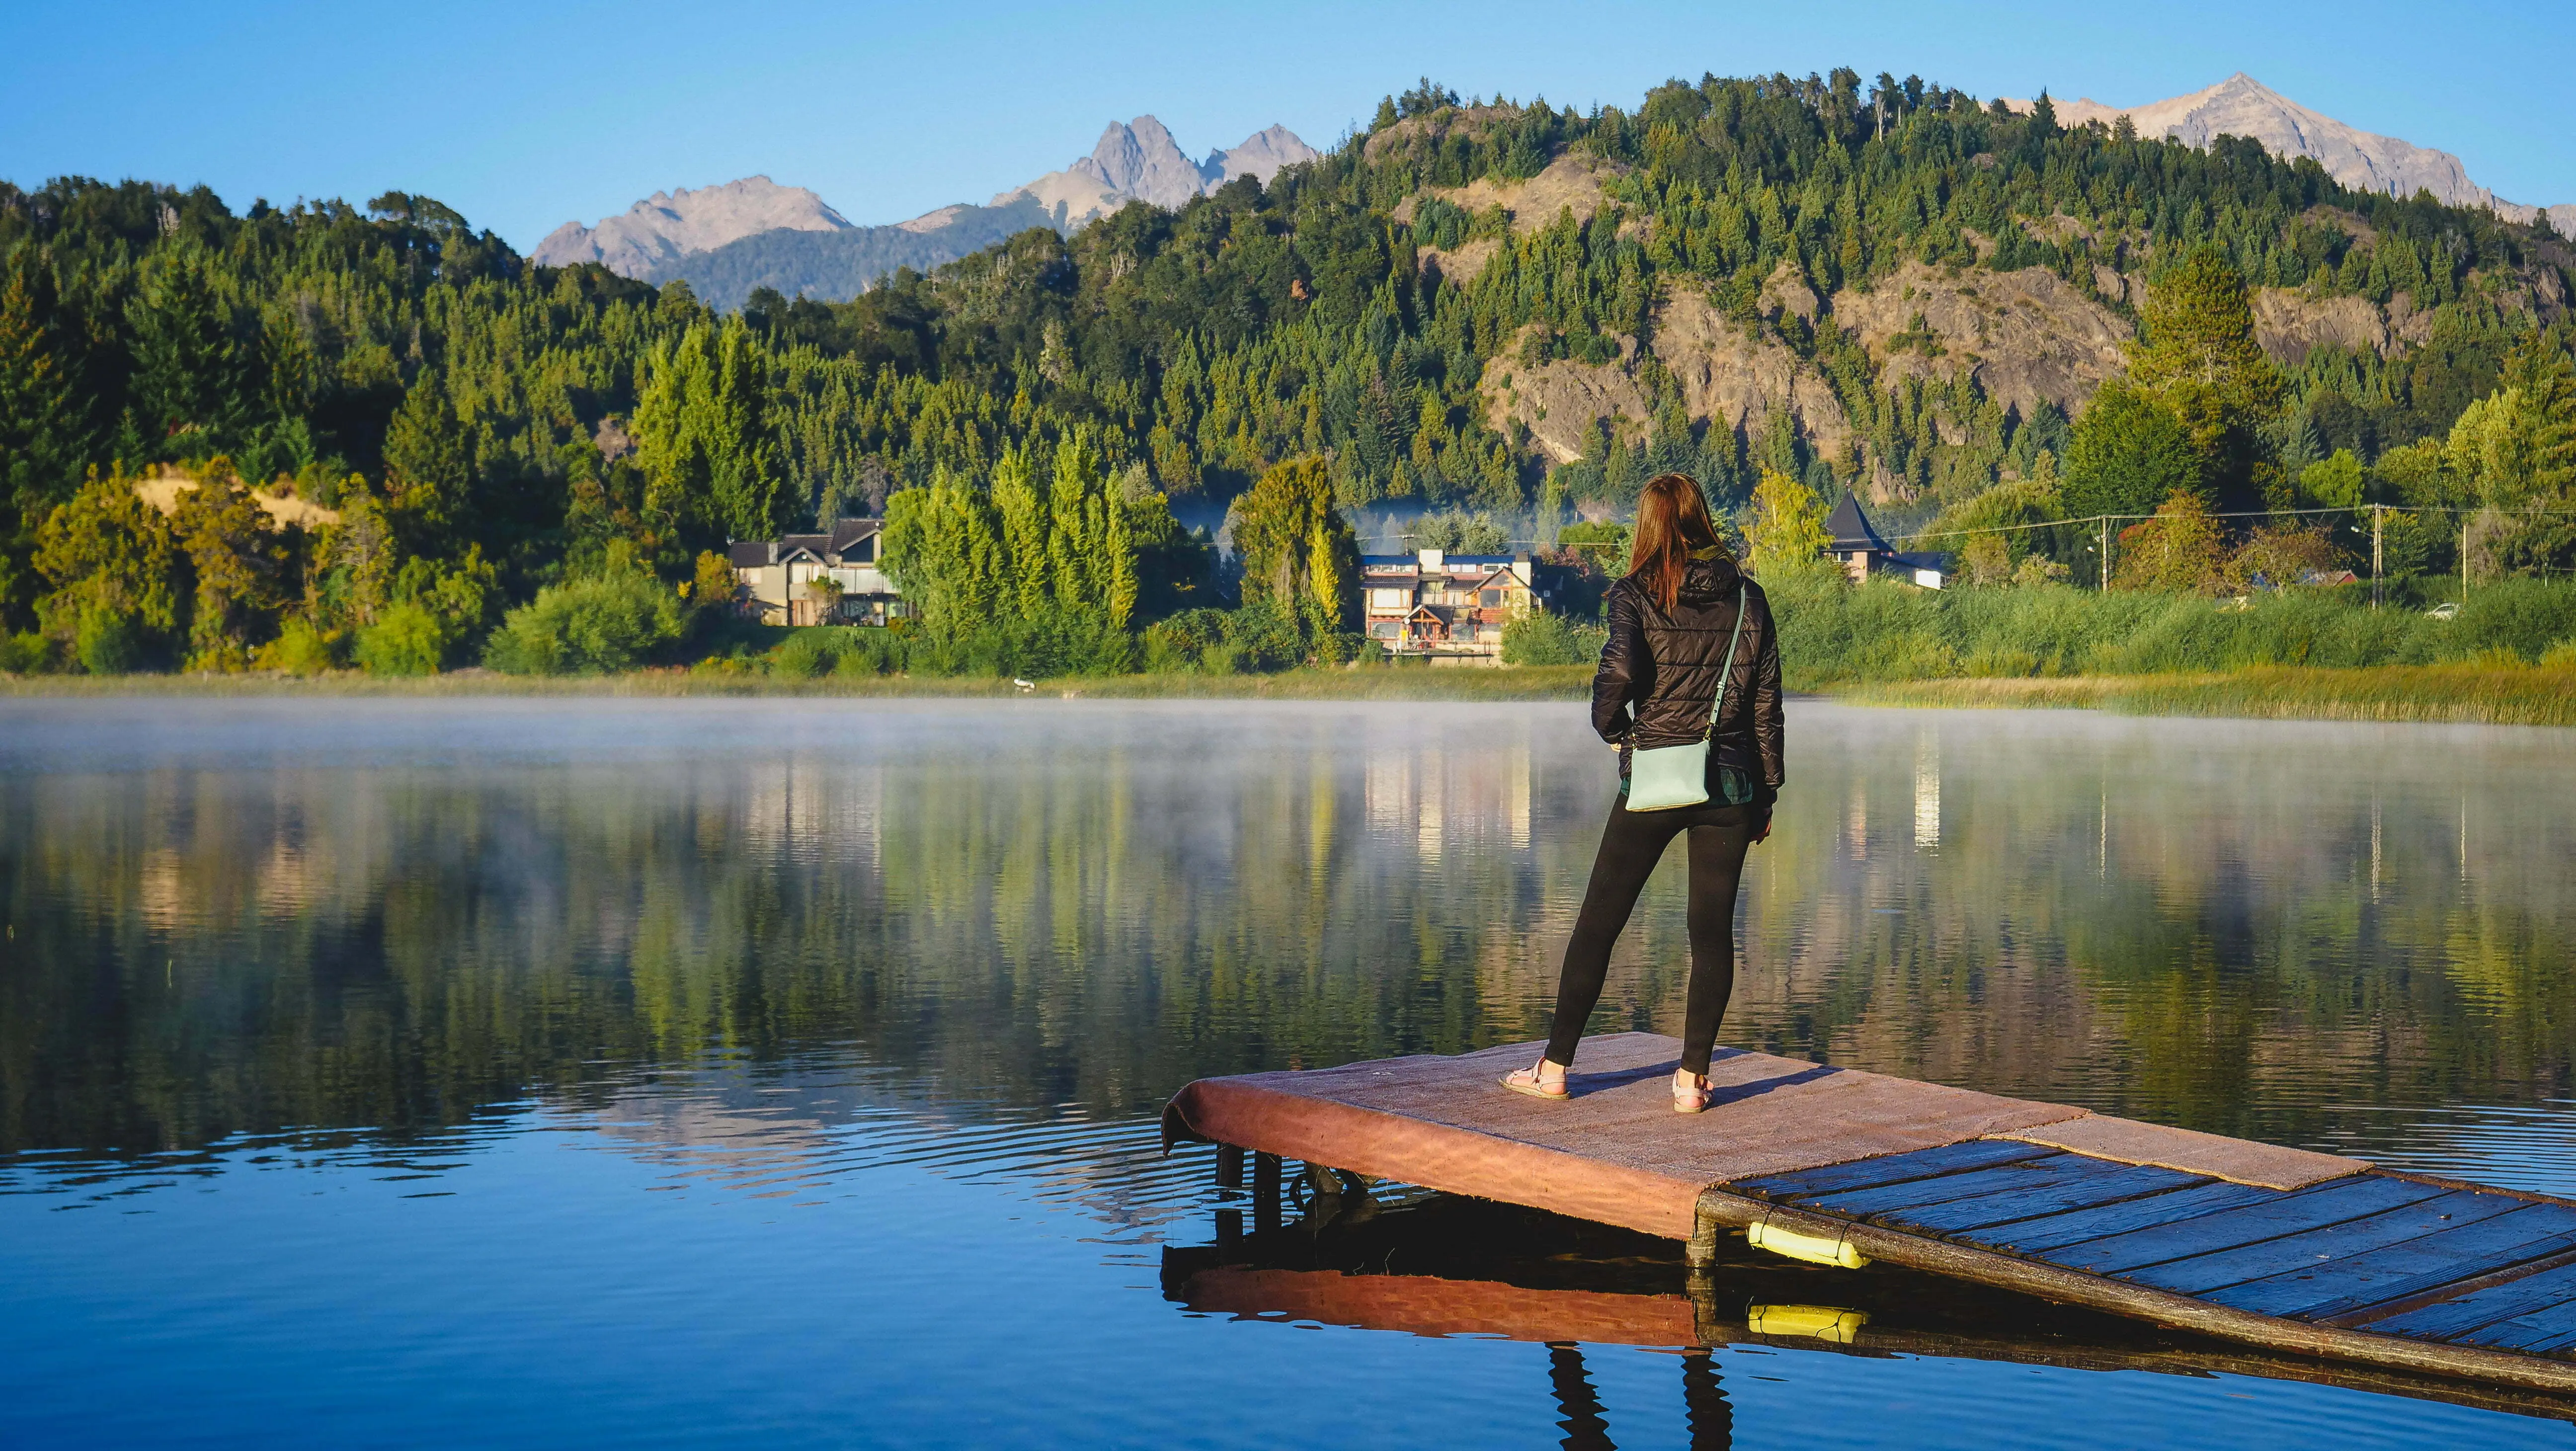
(1540, 638)
(407, 639)
(587, 627)
(1263, 638)
(2525, 616)
(107, 642)
(1180, 642)
(301, 648)
(25, 654)
(838, 650)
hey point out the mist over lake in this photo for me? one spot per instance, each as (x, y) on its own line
(523, 1072)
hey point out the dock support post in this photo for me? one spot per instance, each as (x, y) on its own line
(1229, 1167)
(1265, 1191)
(1702, 1250)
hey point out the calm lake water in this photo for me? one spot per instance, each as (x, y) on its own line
(784, 1072)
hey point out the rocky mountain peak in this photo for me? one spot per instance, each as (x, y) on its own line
(672, 224)
(1139, 160)
(2243, 106)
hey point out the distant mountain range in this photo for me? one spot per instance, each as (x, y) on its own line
(2243, 106)
(727, 240)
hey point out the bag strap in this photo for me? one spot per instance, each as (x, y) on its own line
(1726, 671)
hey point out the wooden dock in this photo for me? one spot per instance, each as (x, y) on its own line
(2295, 1252)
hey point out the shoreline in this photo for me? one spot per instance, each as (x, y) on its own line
(2438, 694)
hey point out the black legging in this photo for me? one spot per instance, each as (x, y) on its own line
(1630, 846)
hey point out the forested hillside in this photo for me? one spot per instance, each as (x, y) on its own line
(1508, 309)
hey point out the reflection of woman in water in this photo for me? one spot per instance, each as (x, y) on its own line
(1672, 620)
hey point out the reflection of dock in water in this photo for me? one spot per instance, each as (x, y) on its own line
(2307, 1257)
(1457, 1267)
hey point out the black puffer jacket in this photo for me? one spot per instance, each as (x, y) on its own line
(1658, 672)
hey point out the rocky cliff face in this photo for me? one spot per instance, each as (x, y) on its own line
(1730, 377)
(2026, 336)
(669, 225)
(2243, 106)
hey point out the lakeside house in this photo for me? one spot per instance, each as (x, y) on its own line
(1858, 549)
(778, 577)
(1450, 607)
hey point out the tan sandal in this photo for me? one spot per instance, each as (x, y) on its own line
(1532, 1082)
(1690, 1095)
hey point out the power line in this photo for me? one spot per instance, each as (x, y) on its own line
(2353, 509)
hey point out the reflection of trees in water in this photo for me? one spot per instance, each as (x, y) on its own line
(1046, 917)
(1092, 906)
(2228, 927)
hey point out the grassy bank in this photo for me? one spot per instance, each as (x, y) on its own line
(2475, 693)
(1835, 637)
(2461, 694)
(1555, 682)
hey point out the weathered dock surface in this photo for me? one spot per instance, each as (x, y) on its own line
(2297, 1252)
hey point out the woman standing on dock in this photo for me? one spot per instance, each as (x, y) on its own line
(1689, 694)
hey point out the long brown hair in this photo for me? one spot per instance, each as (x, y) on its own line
(1672, 520)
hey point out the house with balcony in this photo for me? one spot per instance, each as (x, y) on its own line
(830, 578)
(1449, 607)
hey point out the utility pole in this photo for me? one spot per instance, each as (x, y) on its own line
(2106, 554)
(2464, 560)
(2378, 513)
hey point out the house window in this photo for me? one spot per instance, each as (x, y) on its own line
(1491, 599)
(1389, 599)
(1387, 629)
(1465, 631)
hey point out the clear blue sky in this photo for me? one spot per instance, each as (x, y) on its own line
(526, 114)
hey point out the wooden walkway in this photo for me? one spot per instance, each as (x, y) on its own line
(2296, 1252)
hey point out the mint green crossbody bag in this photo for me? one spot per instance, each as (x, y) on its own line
(1668, 777)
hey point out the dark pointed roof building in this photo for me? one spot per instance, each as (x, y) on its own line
(1857, 547)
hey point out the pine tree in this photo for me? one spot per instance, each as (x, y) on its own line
(40, 433)
(2196, 355)
(429, 464)
(190, 372)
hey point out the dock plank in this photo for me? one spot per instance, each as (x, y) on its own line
(1895, 1168)
(2446, 1319)
(2104, 1183)
(2375, 1277)
(2542, 1332)
(2289, 1213)
(1974, 1184)
(2056, 1231)
(2204, 1275)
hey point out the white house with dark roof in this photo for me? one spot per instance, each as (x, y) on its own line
(778, 577)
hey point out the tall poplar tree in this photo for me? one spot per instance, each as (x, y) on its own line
(1296, 547)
